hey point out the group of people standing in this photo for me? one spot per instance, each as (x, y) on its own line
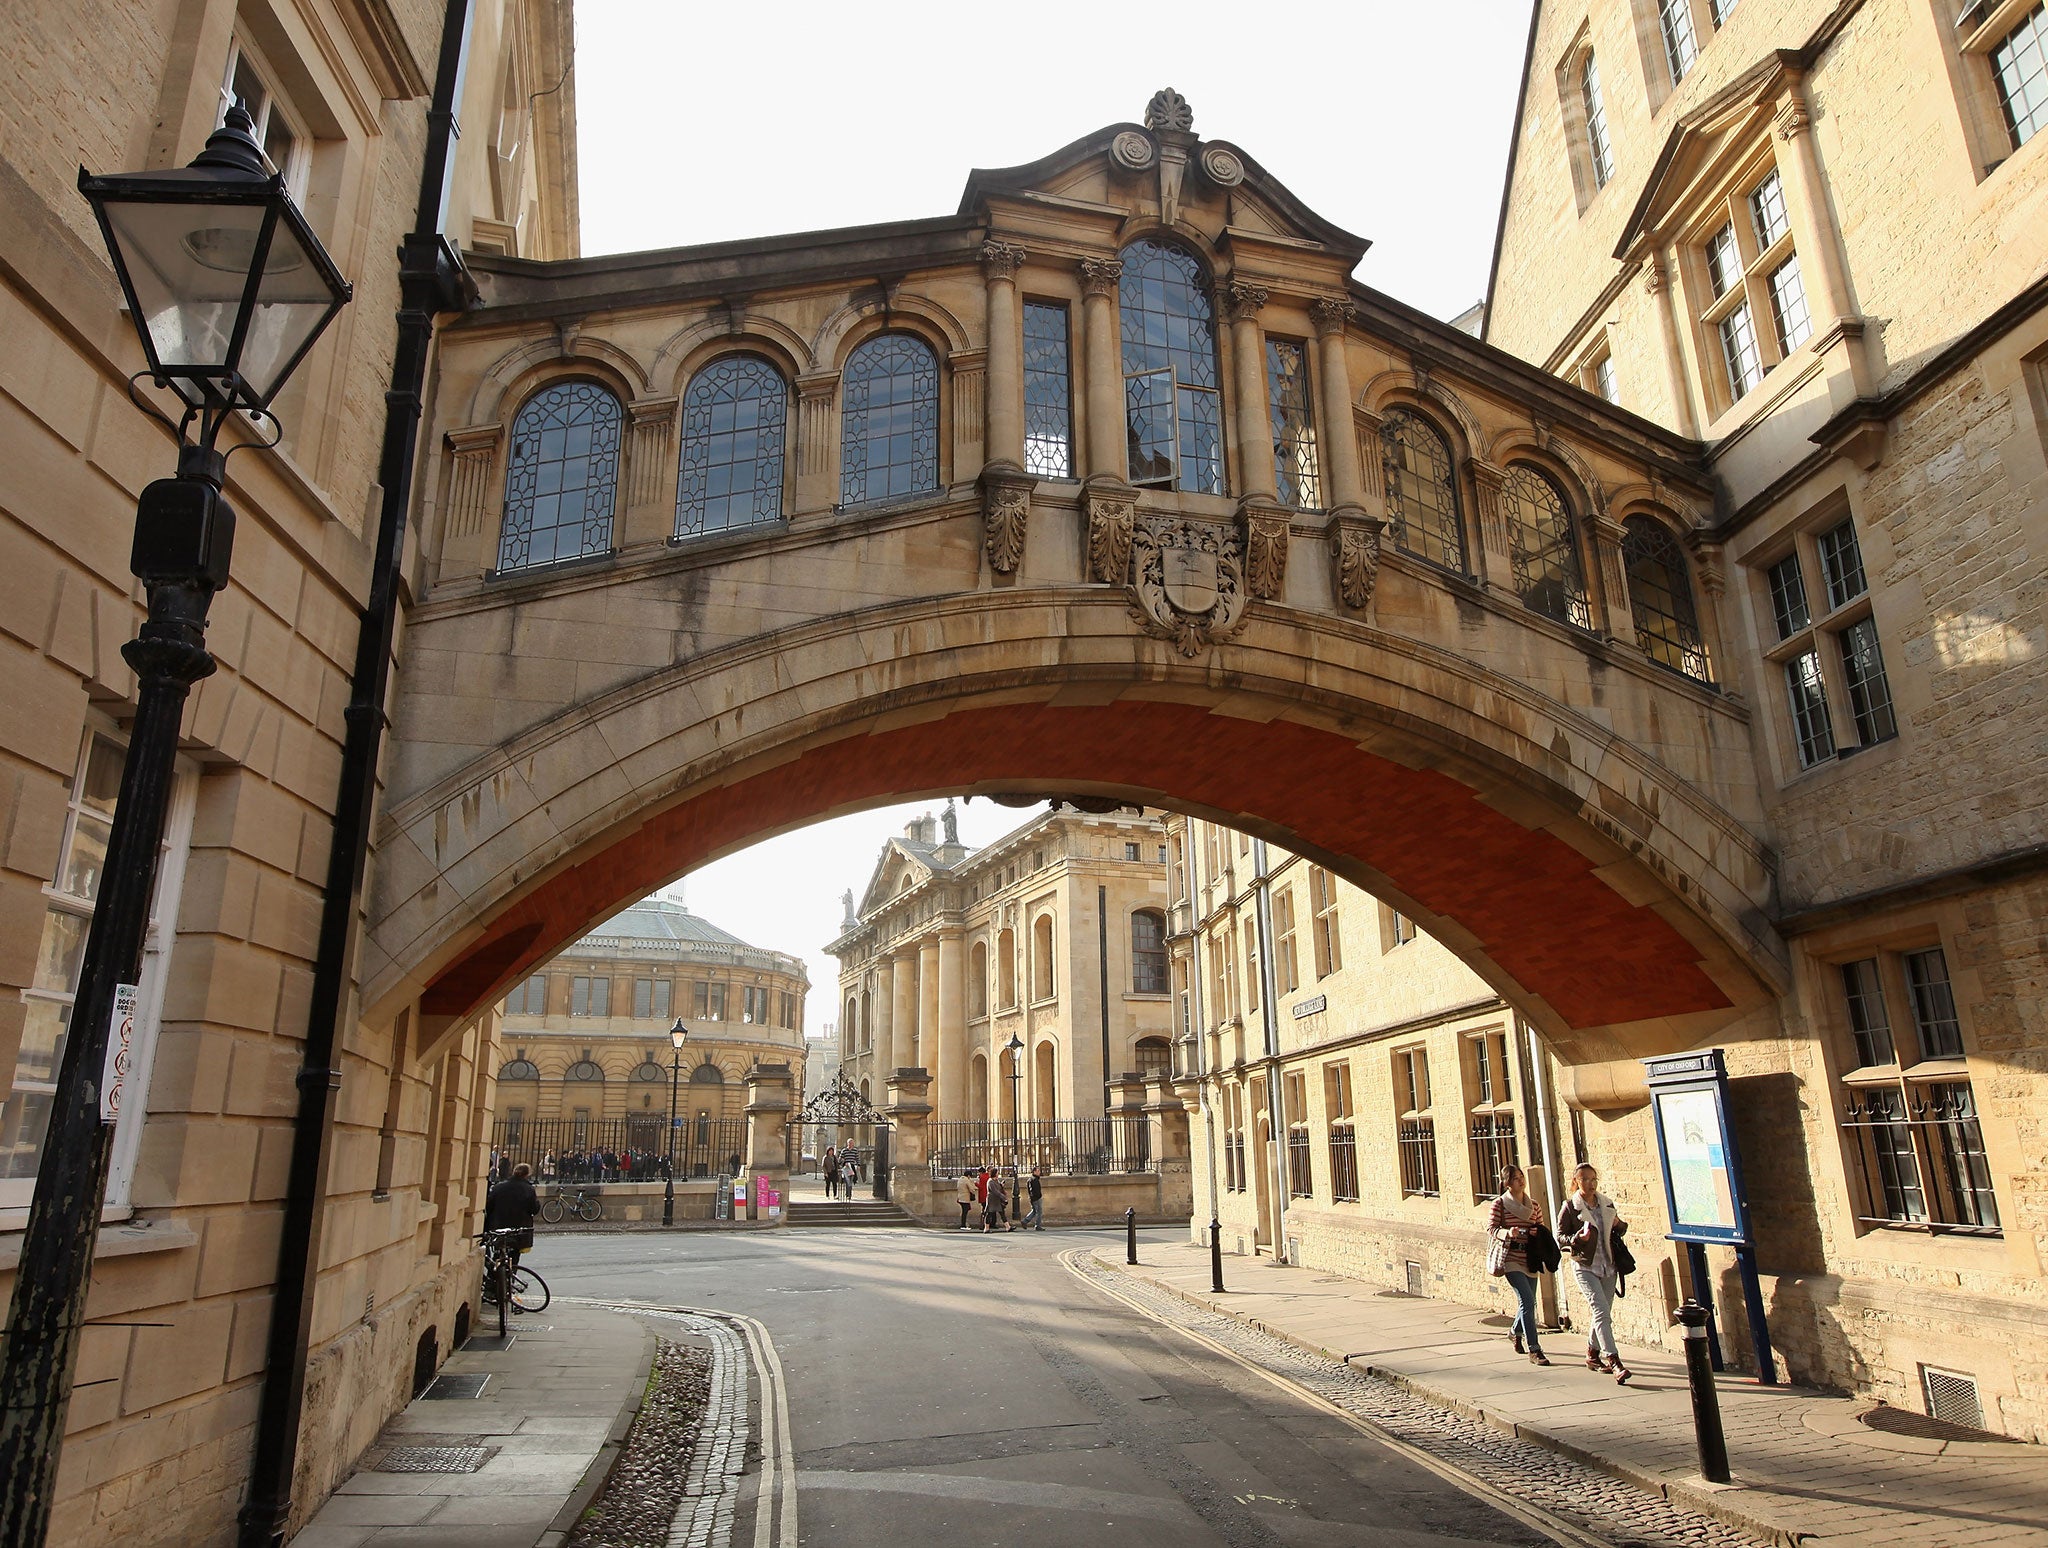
(1589, 1231)
(987, 1191)
(841, 1171)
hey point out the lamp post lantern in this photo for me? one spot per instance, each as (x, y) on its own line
(228, 288)
(677, 1036)
(1015, 1049)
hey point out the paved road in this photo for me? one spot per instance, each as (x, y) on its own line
(970, 1392)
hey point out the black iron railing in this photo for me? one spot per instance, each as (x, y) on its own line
(1068, 1147)
(1343, 1163)
(1418, 1159)
(1921, 1154)
(631, 1149)
(1493, 1147)
(1300, 1174)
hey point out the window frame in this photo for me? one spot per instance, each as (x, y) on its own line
(1062, 468)
(1199, 285)
(1981, 30)
(931, 464)
(1749, 299)
(1417, 1163)
(1297, 453)
(1340, 1132)
(1148, 953)
(783, 464)
(617, 452)
(1395, 466)
(1487, 1058)
(297, 169)
(1327, 924)
(1695, 661)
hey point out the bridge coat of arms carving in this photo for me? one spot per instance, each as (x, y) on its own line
(1189, 577)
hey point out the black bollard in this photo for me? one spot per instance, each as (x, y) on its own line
(1216, 1256)
(1130, 1236)
(1706, 1402)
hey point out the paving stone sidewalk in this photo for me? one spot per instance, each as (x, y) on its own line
(556, 1408)
(1806, 1470)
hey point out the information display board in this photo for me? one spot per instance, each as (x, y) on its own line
(1702, 1173)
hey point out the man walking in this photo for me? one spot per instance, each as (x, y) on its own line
(1035, 1217)
(964, 1191)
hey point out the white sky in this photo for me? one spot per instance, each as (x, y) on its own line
(705, 123)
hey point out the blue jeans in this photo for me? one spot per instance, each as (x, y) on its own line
(1524, 1286)
(1034, 1218)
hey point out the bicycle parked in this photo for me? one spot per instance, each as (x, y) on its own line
(582, 1205)
(507, 1281)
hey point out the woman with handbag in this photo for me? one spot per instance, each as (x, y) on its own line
(1510, 1227)
(1587, 1225)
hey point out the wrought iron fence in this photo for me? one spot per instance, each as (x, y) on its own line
(1343, 1164)
(630, 1149)
(1493, 1147)
(1418, 1159)
(1922, 1157)
(1067, 1147)
(1300, 1174)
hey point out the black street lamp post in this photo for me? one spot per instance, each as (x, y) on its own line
(228, 288)
(677, 1036)
(1015, 1049)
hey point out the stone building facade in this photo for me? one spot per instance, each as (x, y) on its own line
(586, 1048)
(161, 1427)
(1810, 233)
(951, 952)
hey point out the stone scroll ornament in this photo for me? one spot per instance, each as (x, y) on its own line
(1265, 536)
(1189, 577)
(1355, 546)
(1005, 514)
(1111, 524)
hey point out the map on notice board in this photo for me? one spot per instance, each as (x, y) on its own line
(1696, 1152)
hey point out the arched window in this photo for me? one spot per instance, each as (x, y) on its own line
(562, 479)
(1422, 493)
(707, 1074)
(849, 1029)
(1660, 596)
(519, 1069)
(584, 1069)
(977, 979)
(1154, 1056)
(1041, 958)
(1045, 1083)
(735, 419)
(1006, 969)
(977, 1086)
(867, 1025)
(1148, 952)
(647, 1069)
(1173, 411)
(889, 428)
(1544, 547)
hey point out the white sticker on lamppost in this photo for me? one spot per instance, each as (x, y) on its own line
(120, 1053)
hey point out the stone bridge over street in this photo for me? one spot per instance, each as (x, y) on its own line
(1111, 484)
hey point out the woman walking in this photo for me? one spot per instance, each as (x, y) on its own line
(831, 1170)
(1585, 1228)
(1510, 1226)
(994, 1203)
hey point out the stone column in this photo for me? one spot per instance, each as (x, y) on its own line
(817, 443)
(1605, 536)
(1657, 285)
(1244, 301)
(769, 1102)
(1354, 529)
(1102, 352)
(1496, 562)
(881, 1007)
(929, 1053)
(469, 534)
(1712, 598)
(1817, 239)
(908, 1111)
(1005, 428)
(903, 1011)
(648, 512)
(952, 1027)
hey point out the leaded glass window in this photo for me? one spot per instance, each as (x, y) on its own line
(2020, 61)
(1934, 1005)
(1048, 392)
(1724, 259)
(1422, 495)
(1544, 548)
(1296, 475)
(1660, 596)
(1789, 312)
(1841, 562)
(1739, 352)
(1681, 44)
(1598, 145)
(562, 479)
(1788, 597)
(735, 424)
(1767, 211)
(1868, 1021)
(1870, 696)
(1173, 408)
(889, 436)
(1809, 696)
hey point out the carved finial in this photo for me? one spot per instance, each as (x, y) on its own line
(1168, 109)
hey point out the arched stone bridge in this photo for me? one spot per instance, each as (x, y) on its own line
(1112, 483)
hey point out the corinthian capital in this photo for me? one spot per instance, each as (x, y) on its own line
(1330, 313)
(1242, 299)
(1001, 260)
(1099, 276)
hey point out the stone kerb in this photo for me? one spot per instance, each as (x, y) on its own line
(459, 853)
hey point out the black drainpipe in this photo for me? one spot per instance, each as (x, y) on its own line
(431, 280)
(1102, 954)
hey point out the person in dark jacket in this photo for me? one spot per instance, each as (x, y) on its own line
(511, 1205)
(1035, 1191)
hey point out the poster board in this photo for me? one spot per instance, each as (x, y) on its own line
(1703, 1191)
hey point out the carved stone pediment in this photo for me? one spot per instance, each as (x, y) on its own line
(1189, 579)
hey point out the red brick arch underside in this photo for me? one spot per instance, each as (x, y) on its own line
(1552, 933)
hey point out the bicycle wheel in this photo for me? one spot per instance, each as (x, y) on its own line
(529, 1291)
(551, 1211)
(591, 1209)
